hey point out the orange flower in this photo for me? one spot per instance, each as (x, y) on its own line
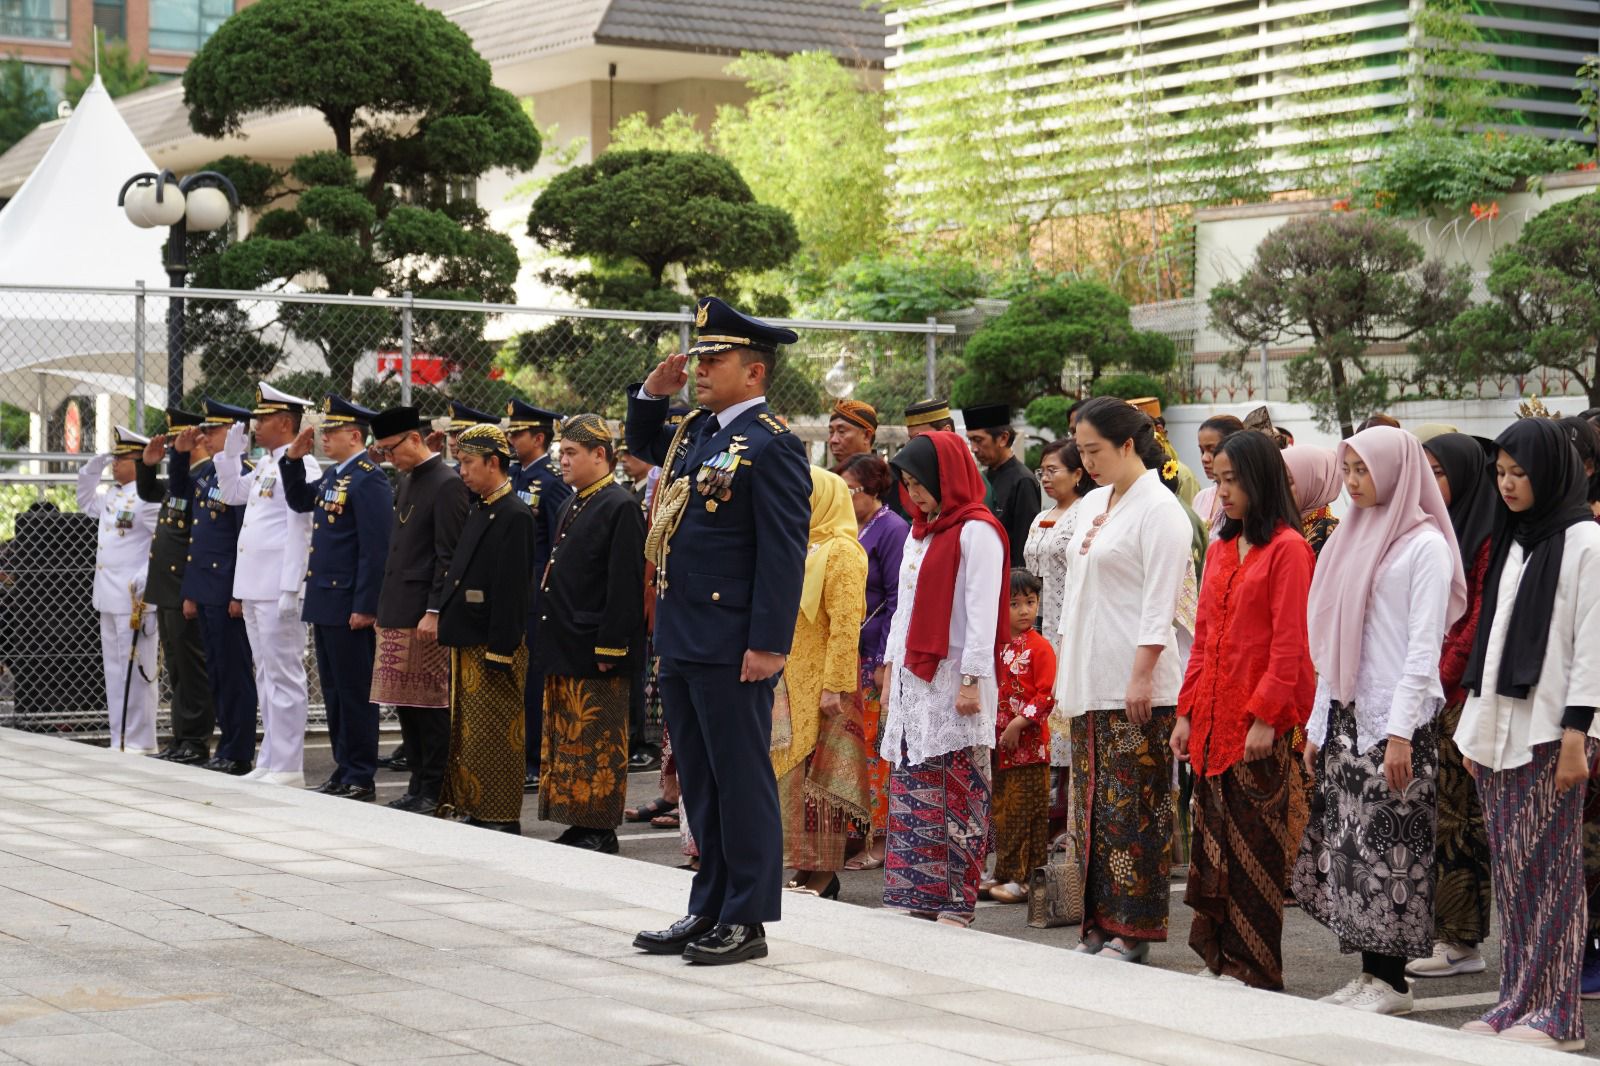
(1341, 205)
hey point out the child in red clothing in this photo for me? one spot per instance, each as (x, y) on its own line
(1021, 807)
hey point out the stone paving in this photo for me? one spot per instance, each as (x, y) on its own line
(157, 914)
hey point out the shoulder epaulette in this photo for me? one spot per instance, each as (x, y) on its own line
(770, 420)
(249, 464)
(365, 464)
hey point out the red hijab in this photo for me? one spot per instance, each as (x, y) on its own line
(943, 464)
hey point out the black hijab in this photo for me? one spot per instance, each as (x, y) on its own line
(920, 459)
(1560, 500)
(1467, 463)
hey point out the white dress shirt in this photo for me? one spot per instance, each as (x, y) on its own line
(274, 541)
(1500, 732)
(922, 714)
(124, 527)
(1397, 683)
(1122, 595)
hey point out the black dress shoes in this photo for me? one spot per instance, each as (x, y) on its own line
(231, 767)
(601, 840)
(499, 827)
(530, 782)
(360, 793)
(187, 753)
(331, 787)
(728, 943)
(677, 936)
(643, 762)
(414, 804)
(165, 753)
(395, 760)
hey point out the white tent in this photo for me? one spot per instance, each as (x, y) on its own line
(64, 228)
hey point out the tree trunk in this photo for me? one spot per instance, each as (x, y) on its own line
(1341, 401)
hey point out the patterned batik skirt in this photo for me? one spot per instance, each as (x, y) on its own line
(1536, 836)
(1591, 853)
(1021, 821)
(483, 774)
(1461, 882)
(938, 834)
(1365, 866)
(825, 795)
(1123, 821)
(584, 759)
(410, 672)
(870, 701)
(1239, 866)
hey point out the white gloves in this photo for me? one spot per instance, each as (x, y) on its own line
(288, 606)
(95, 466)
(235, 445)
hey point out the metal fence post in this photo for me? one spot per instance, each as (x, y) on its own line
(405, 349)
(683, 329)
(138, 357)
(931, 359)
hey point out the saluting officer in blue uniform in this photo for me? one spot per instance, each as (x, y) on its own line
(208, 585)
(352, 513)
(732, 519)
(537, 481)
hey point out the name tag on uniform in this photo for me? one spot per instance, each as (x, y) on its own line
(266, 486)
(474, 595)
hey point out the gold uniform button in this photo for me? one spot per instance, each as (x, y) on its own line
(716, 596)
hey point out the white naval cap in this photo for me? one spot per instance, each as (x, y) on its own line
(272, 401)
(128, 442)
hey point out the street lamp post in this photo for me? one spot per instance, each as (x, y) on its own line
(200, 203)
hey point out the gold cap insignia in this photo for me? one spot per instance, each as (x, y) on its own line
(700, 317)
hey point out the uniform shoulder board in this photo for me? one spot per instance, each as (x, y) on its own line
(365, 464)
(550, 465)
(249, 464)
(770, 420)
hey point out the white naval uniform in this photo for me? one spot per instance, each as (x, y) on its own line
(274, 545)
(125, 525)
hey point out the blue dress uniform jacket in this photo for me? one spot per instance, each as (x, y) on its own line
(733, 576)
(352, 515)
(214, 539)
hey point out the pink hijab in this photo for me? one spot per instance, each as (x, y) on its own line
(1317, 480)
(1408, 502)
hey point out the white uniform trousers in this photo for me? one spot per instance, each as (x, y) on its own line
(278, 646)
(116, 640)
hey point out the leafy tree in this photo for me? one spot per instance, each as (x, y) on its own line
(120, 73)
(23, 103)
(400, 86)
(1131, 387)
(1341, 282)
(888, 288)
(1426, 171)
(1448, 77)
(1021, 354)
(1546, 306)
(678, 132)
(813, 141)
(641, 214)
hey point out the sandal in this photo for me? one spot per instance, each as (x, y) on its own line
(864, 861)
(958, 920)
(665, 821)
(656, 807)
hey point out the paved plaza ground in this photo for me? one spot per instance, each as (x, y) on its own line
(159, 914)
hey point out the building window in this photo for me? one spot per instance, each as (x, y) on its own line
(110, 18)
(184, 25)
(53, 80)
(41, 19)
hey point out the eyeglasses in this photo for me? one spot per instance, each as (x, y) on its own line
(1088, 539)
(386, 451)
(856, 490)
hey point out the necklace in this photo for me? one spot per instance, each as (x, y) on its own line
(871, 522)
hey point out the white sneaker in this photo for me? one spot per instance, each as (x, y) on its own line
(1356, 986)
(292, 778)
(254, 775)
(1379, 997)
(1447, 960)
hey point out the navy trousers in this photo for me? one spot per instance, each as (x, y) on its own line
(533, 694)
(233, 681)
(721, 732)
(344, 662)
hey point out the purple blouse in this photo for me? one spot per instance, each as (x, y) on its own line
(884, 538)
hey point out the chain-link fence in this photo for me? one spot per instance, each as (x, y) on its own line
(74, 363)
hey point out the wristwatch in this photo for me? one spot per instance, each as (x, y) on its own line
(968, 681)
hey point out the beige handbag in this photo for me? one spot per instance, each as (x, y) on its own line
(1055, 890)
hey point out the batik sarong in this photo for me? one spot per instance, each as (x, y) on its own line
(1021, 821)
(409, 671)
(824, 796)
(1461, 883)
(1536, 836)
(869, 699)
(1239, 867)
(584, 758)
(1123, 820)
(483, 774)
(1365, 867)
(938, 834)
